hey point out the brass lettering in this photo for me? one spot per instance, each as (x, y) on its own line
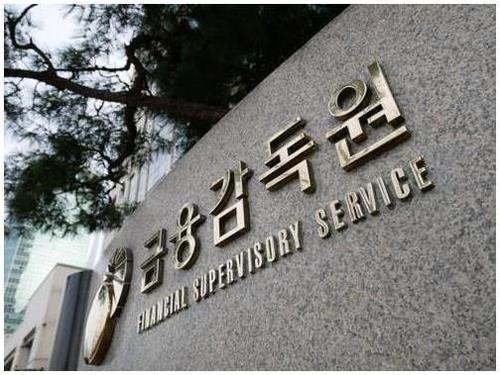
(402, 191)
(153, 316)
(288, 160)
(212, 276)
(140, 321)
(283, 242)
(295, 231)
(196, 290)
(239, 265)
(337, 214)
(204, 286)
(177, 305)
(361, 112)
(221, 274)
(250, 260)
(172, 309)
(419, 170)
(184, 304)
(353, 207)
(166, 307)
(146, 324)
(324, 228)
(229, 271)
(368, 198)
(383, 191)
(159, 311)
(270, 249)
(257, 250)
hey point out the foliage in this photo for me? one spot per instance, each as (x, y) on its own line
(187, 63)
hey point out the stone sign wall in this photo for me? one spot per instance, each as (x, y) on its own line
(357, 260)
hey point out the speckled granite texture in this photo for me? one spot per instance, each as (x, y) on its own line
(411, 288)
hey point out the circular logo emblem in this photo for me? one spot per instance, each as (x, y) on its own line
(106, 306)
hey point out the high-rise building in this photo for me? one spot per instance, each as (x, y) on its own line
(12, 239)
(28, 260)
(139, 181)
(16, 256)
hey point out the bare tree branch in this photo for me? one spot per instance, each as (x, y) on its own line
(134, 97)
(195, 112)
(97, 68)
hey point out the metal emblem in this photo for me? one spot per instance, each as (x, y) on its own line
(289, 161)
(231, 181)
(106, 306)
(351, 104)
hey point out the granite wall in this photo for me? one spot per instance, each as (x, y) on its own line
(410, 288)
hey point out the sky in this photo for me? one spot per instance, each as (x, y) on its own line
(53, 31)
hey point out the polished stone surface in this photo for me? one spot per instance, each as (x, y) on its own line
(411, 288)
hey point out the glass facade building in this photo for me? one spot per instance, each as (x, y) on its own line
(12, 238)
(16, 257)
(139, 181)
(28, 260)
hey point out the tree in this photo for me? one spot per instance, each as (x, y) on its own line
(187, 63)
